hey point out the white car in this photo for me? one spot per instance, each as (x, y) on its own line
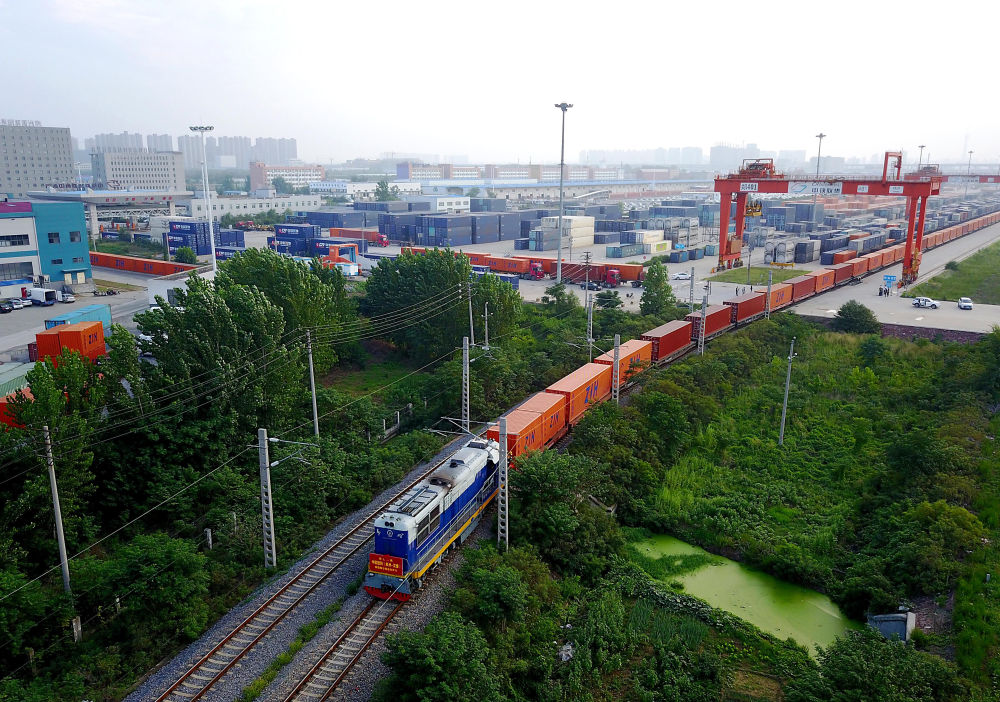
(67, 297)
(19, 304)
(965, 303)
(683, 275)
(925, 302)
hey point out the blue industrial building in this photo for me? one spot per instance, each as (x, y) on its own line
(43, 243)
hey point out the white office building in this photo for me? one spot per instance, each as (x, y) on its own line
(359, 190)
(138, 169)
(247, 207)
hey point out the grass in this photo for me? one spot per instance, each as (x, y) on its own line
(758, 275)
(977, 277)
(306, 633)
(124, 248)
(361, 381)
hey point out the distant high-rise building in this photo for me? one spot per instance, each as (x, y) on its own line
(110, 142)
(33, 156)
(159, 142)
(692, 156)
(139, 169)
(794, 158)
(190, 146)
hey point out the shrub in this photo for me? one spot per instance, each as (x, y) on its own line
(856, 318)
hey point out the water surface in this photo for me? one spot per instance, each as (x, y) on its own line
(770, 604)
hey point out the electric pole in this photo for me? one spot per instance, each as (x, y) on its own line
(57, 510)
(701, 330)
(691, 294)
(767, 300)
(788, 381)
(615, 375)
(465, 384)
(472, 330)
(486, 327)
(590, 330)
(312, 383)
(266, 507)
(502, 495)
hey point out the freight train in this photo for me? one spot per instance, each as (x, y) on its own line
(441, 511)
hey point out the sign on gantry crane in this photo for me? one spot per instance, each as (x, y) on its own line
(758, 176)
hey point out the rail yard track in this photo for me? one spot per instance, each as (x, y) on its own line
(208, 670)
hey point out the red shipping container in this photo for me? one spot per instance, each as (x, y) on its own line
(633, 356)
(47, 344)
(668, 339)
(85, 337)
(6, 416)
(824, 279)
(628, 271)
(717, 318)
(514, 266)
(802, 287)
(842, 256)
(781, 295)
(842, 272)
(582, 388)
(524, 432)
(746, 306)
(33, 351)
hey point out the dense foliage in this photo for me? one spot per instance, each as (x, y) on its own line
(855, 318)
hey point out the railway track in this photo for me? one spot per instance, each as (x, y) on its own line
(214, 665)
(330, 671)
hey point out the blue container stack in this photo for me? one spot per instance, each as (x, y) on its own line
(340, 218)
(224, 253)
(510, 226)
(487, 204)
(607, 237)
(88, 313)
(485, 228)
(191, 234)
(805, 251)
(444, 230)
(387, 206)
(834, 243)
(230, 237)
(623, 250)
(696, 253)
(521, 244)
(679, 256)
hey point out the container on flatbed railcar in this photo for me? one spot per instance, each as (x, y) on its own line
(668, 339)
(633, 356)
(781, 295)
(824, 279)
(841, 272)
(802, 287)
(717, 318)
(524, 432)
(552, 408)
(583, 388)
(747, 306)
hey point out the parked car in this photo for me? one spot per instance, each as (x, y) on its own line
(592, 285)
(18, 303)
(925, 302)
(6, 306)
(965, 303)
(68, 297)
(683, 275)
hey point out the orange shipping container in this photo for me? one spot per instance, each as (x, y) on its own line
(582, 388)
(860, 266)
(85, 337)
(802, 287)
(842, 272)
(48, 343)
(524, 432)
(551, 408)
(629, 271)
(842, 256)
(506, 265)
(6, 415)
(633, 356)
(824, 279)
(781, 295)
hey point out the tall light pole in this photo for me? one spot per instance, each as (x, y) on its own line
(920, 161)
(968, 173)
(204, 184)
(562, 168)
(819, 151)
(788, 382)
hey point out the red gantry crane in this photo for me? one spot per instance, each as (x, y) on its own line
(758, 176)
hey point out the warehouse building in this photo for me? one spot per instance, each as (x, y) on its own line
(262, 175)
(247, 207)
(42, 243)
(138, 169)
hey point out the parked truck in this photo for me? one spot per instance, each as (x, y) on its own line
(43, 296)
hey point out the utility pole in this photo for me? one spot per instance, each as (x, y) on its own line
(486, 327)
(502, 495)
(691, 293)
(312, 383)
(788, 381)
(472, 329)
(616, 373)
(60, 535)
(586, 272)
(590, 331)
(701, 330)
(767, 300)
(266, 507)
(465, 384)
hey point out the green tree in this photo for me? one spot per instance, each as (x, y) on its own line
(559, 297)
(863, 666)
(432, 287)
(282, 186)
(185, 254)
(608, 300)
(384, 192)
(657, 294)
(448, 662)
(124, 234)
(473, 192)
(855, 318)
(228, 221)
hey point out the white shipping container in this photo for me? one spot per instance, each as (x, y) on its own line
(646, 236)
(574, 222)
(656, 247)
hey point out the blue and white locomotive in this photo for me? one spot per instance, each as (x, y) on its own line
(433, 516)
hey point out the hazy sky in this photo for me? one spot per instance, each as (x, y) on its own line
(354, 78)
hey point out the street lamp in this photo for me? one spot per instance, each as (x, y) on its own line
(200, 130)
(562, 167)
(921, 160)
(788, 382)
(967, 174)
(819, 151)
